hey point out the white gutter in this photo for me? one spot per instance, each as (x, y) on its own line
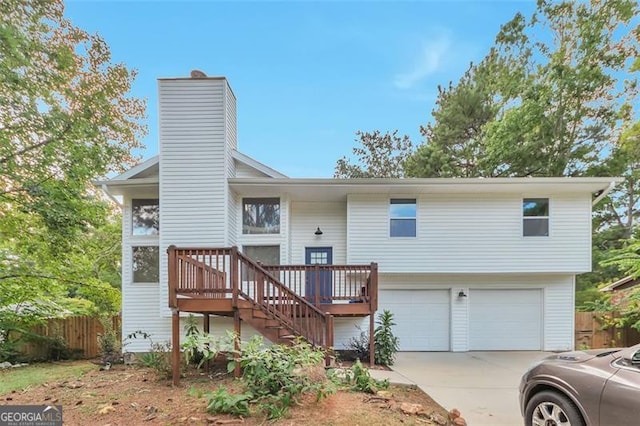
(106, 191)
(604, 193)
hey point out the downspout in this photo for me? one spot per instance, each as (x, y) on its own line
(105, 189)
(604, 193)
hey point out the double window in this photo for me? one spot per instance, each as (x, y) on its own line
(535, 217)
(145, 223)
(402, 214)
(261, 216)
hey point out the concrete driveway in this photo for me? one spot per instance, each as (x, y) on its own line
(482, 385)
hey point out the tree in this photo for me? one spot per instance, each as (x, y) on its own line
(550, 99)
(65, 120)
(380, 155)
(455, 141)
(567, 90)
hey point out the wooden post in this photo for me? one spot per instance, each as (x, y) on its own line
(234, 276)
(317, 285)
(328, 339)
(175, 346)
(173, 281)
(206, 326)
(236, 343)
(372, 341)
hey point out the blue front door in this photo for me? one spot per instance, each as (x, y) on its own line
(319, 280)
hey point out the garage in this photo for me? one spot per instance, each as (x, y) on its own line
(505, 319)
(421, 316)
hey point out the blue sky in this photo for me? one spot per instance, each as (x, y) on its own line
(307, 75)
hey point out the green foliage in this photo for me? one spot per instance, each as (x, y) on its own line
(221, 401)
(379, 155)
(158, 357)
(109, 344)
(627, 258)
(358, 379)
(199, 348)
(70, 122)
(386, 344)
(620, 309)
(277, 376)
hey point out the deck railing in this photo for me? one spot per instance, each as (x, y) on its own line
(294, 294)
(330, 283)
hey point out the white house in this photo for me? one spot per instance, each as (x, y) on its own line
(463, 264)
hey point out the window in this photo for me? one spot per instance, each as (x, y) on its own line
(403, 217)
(146, 217)
(535, 217)
(146, 268)
(261, 216)
(267, 255)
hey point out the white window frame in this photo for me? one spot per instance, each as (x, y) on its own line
(260, 235)
(547, 217)
(135, 245)
(390, 218)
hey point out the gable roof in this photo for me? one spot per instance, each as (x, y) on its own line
(622, 284)
(146, 169)
(256, 165)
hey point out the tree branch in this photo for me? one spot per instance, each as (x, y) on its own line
(45, 142)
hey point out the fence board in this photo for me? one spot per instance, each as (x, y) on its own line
(590, 333)
(79, 333)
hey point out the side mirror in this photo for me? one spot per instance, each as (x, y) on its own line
(635, 359)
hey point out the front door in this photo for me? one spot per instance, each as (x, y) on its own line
(318, 281)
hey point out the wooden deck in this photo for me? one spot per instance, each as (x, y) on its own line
(279, 301)
(207, 280)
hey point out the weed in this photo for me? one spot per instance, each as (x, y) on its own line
(221, 401)
(386, 344)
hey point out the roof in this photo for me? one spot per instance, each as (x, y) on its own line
(622, 284)
(328, 189)
(245, 159)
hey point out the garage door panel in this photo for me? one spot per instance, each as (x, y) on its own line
(421, 317)
(506, 319)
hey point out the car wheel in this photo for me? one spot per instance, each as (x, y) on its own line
(550, 408)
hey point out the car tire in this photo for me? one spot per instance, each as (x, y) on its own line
(556, 407)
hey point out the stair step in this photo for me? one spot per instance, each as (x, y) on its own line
(259, 314)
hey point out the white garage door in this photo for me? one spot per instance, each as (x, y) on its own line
(505, 319)
(421, 317)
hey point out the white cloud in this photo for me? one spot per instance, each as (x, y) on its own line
(430, 60)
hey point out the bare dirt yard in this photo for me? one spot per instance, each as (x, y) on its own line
(135, 396)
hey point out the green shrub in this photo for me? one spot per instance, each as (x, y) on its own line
(358, 379)
(109, 344)
(201, 347)
(386, 344)
(221, 401)
(278, 375)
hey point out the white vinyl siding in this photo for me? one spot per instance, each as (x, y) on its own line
(244, 171)
(505, 319)
(306, 217)
(139, 300)
(474, 233)
(422, 318)
(556, 292)
(196, 137)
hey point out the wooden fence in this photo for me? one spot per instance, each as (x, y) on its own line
(79, 333)
(591, 334)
